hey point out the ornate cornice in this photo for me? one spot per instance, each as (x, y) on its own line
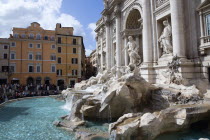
(131, 32)
(131, 6)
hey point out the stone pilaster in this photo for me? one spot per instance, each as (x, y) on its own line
(108, 45)
(118, 42)
(147, 33)
(126, 51)
(178, 31)
(201, 27)
(147, 71)
(97, 58)
(101, 52)
(137, 41)
(101, 32)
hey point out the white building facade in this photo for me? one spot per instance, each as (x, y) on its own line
(161, 29)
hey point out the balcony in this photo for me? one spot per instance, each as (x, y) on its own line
(205, 44)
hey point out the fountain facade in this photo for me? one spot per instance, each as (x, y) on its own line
(147, 82)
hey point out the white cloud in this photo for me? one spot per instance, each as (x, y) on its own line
(89, 49)
(88, 52)
(92, 27)
(20, 13)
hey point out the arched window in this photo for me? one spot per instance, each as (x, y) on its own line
(52, 38)
(31, 36)
(15, 35)
(38, 36)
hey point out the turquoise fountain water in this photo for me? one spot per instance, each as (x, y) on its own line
(32, 119)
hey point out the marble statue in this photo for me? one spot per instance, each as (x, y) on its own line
(165, 38)
(113, 71)
(172, 74)
(104, 77)
(133, 51)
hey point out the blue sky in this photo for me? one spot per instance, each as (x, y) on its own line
(80, 14)
(86, 11)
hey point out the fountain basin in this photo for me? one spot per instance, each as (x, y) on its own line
(32, 119)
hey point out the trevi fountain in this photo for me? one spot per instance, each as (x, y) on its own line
(153, 74)
(152, 82)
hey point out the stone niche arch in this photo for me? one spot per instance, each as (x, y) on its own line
(132, 26)
(131, 12)
(133, 20)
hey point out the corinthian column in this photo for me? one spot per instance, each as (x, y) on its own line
(147, 33)
(108, 46)
(118, 42)
(178, 31)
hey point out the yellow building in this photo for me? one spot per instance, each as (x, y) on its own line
(4, 60)
(41, 56)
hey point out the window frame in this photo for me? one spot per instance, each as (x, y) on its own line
(39, 46)
(74, 50)
(74, 60)
(59, 62)
(16, 35)
(30, 54)
(53, 57)
(52, 47)
(59, 72)
(74, 72)
(13, 43)
(53, 66)
(4, 68)
(59, 40)
(14, 67)
(37, 56)
(46, 38)
(23, 35)
(13, 53)
(30, 65)
(30, 45)
(31, 36)
(52, 38)
(38, 36)
(60, 50)
(74, 41)
(207, 24)
(39, 69)
(4, 56)
(6, 47)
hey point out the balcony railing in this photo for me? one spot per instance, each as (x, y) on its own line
(205, 43)
(206, 39)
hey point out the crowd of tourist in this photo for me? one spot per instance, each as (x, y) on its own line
(14, 91)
